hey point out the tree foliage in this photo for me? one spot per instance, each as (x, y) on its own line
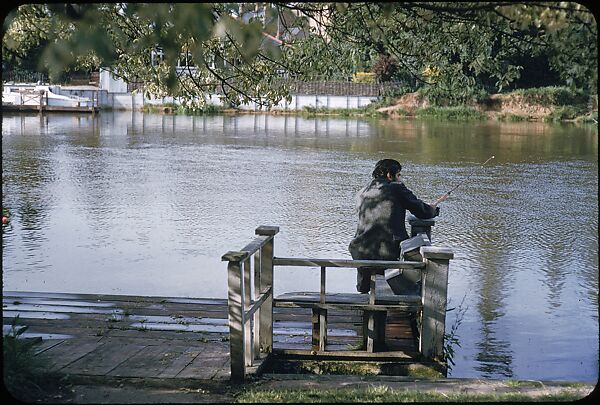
(471, 47)
(226, 54)
(474, 47)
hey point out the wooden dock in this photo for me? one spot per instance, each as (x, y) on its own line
(251, 304)
(40, 101)
(47, 108)
(162, 338)
(250, 333)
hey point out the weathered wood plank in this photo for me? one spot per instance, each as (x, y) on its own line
(235, 256)
(347, 298)
(151, 361)
(258, 301)
(266, 284)
(104, 358)
(247, 318)
(208, 364)
(435, 286)
(236, 320)
(185, 358)
(46, 345)
(92, 324)
(69, 351)
(345, 263)
(323, 287)
(256, 244)
(115, 298)
(267, 230)
(281, 347)
(319, 328)
(364, 307)
(437, 252)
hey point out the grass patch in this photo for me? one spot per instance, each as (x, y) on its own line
(385, 394)
(550, 96)
(368, 111)
(522, 384)
(361, 368)
(513, 118)
(422, 371)
(173, 108)
(591, 118)
(562, 113)
(460, 113)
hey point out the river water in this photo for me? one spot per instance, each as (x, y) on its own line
(132, 203)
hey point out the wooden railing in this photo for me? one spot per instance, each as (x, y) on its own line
(251, 303)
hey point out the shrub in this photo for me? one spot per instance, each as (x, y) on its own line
(451, 113)
(26, 375)
(515, 118)
(562, 113)
(552, 95)
(385, 68)
(363, 77)
(443, 96)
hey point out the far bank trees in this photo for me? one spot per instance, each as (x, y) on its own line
(451, 51)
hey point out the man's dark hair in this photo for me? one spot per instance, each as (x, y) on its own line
(385, 166)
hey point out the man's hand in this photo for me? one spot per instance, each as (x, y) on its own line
(439, 200)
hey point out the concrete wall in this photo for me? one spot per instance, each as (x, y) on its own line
(117, 97)
(113, 94)
(111, 83)
(129, 101)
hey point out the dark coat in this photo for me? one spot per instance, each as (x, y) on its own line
(382, 209)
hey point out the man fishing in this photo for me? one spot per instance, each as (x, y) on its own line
(382, 206)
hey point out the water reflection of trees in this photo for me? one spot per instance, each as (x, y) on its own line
(443, 141)
(494, 352)
(494, 356)
(26, 171)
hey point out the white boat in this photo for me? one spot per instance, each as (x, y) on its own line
(18, 95)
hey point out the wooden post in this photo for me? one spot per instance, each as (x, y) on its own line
(248, 355)
(322, 315)
(319, 328)
(370, 329)
(94, 103)
(235, 304)
(434, 299)
(266, 282)
(256, 316)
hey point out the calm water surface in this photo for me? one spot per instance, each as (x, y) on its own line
(127, 203)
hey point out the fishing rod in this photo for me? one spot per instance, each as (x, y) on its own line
(445, 196)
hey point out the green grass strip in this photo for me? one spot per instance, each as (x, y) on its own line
(385, 394)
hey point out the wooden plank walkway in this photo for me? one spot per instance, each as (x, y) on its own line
(163, 337)
(48, 108)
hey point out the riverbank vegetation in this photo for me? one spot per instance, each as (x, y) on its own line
(453, 54)
(547, 104)
(386, 394)
(27, 376)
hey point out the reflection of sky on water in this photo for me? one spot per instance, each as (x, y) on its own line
(146, 204)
